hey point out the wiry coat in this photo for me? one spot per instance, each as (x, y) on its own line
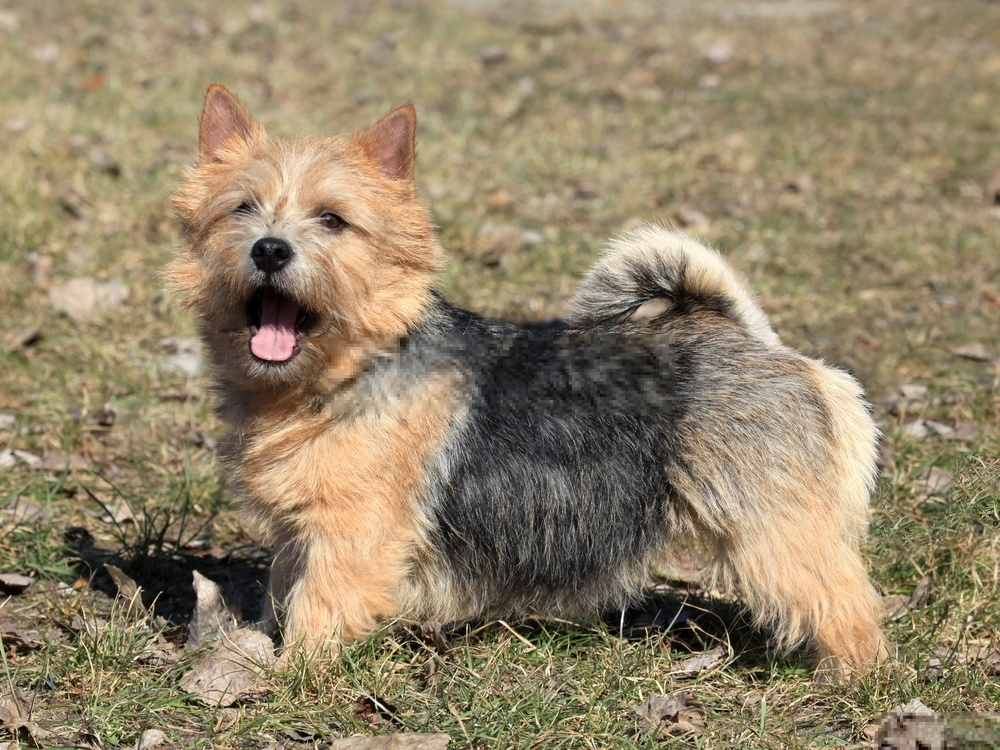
(411, 458)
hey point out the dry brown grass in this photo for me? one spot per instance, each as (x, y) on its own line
(844, 154)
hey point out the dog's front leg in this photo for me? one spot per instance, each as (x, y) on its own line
(335, 581)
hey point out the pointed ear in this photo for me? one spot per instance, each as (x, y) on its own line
(222, 118)
(391, 142)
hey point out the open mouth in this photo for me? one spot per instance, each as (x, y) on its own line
(277, 324)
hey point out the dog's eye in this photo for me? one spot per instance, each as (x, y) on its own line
(244, 209)
(332, 222)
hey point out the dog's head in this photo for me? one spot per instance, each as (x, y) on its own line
(298, 251)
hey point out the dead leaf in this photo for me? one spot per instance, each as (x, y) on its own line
(102, 160)
(184, 356)
(909, 399)
(9, 20)
(128, 589)
(920, 592)
(16, 717)
(940, 429)
(81, 299)
(25, 511)
(494, 241)
(802, 184)
(104, 417)
(233, 671)
(211, 617)
(27, 640)
(700, 662)
(710, 81)
(965, 432)
(689, 218)
(672, 715)
(93, 83)
(56, 461)
(432, 633)
(11, 458)
(152, 738)
(639, 84)
(375, 710)
(911, 727)
(894, 607)
(20, 337)
(160, 652)
(117, 511)
(492, 56)
(718, 52)
(40, 266)
(499, 200)
(92, 626)
(298, 735)
(976, 352)
(935, 482)
(406, 741)
(915, 430)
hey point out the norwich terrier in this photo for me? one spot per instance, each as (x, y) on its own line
(403, 457)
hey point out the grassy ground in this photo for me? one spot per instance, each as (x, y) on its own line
(844, 154)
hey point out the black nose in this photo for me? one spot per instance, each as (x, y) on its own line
(270, 254)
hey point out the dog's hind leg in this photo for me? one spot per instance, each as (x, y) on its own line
(780, 482)
(808, 584)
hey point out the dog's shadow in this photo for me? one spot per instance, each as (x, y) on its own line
(693, 621)
(685, 619)
(166, 576)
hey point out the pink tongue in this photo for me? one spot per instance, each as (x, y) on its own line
(275, 340)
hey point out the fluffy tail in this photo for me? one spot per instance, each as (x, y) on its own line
(654, 271)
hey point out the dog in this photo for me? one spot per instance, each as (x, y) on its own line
(403, 457)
